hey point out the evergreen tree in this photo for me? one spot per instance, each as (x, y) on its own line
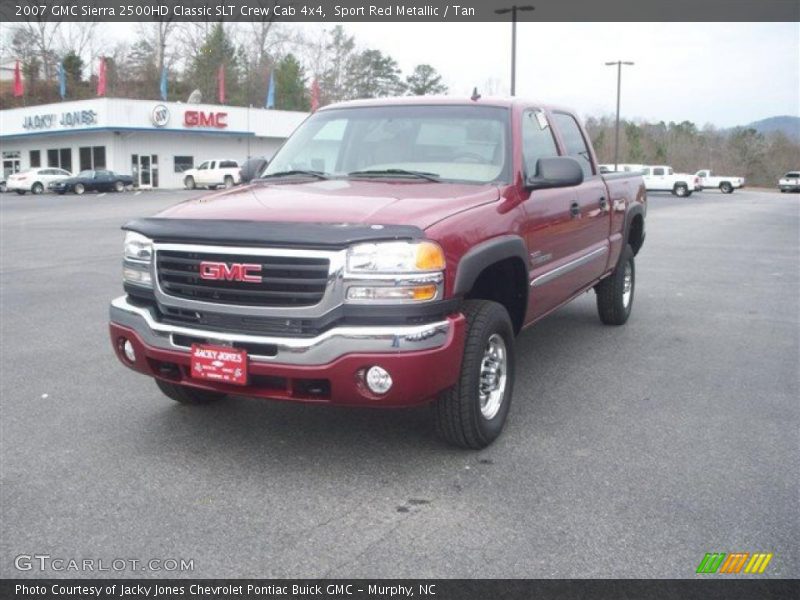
(217, 50)
(290, 85)
(375, 76)
(424, 81)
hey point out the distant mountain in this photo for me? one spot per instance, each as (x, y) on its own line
(788, 125)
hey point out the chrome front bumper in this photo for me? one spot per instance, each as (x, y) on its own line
(319, 350)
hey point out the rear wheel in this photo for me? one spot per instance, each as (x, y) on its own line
(37, 188)
(681, 190)
(725, 188)
(79, 188)
(228, 181)
(21, 192)
(119, 186)
(615, 292)
(187, 395)
(472, 413)
(189, 183)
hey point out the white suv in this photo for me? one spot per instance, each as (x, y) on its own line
(35, 180)
(790, 182)
(212, 174)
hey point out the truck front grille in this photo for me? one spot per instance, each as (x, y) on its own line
(286, 280)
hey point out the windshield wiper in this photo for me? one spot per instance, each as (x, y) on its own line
(395, 172)
(317, 174)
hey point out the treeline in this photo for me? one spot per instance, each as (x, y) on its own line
(761, 158)
(191, 55)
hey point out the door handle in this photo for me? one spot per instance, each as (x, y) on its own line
(575, 209)
(603, 203)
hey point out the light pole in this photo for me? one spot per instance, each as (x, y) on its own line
(513, 10)
(619, 64)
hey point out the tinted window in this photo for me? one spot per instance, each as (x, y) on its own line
(203, 165)
(573, 140)
(182, 163)
(792, 175)
(228, 164)
(658, 171)
(537, 140)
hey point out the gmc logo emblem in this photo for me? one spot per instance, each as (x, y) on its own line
(219, 271)
(198, 118)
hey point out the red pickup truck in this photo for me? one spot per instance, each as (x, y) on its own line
(388, 256)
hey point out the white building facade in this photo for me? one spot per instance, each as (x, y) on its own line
(152, 141)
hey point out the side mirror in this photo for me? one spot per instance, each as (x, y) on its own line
(555, 172)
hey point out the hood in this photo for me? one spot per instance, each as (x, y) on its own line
(420, 204)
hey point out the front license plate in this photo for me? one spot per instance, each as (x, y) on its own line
(218, 363)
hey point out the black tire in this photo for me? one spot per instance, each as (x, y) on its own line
(79, 188)
(612, 305)
(228, 182)
(459, 418)
(119, 186)
(37, 188)
(20, 192)
(681, 190)
(187, 395)
(189, 183)
(725, 188)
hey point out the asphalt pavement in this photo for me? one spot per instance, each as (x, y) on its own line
(629, 452)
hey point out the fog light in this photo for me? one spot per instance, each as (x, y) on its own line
(127, 348)
(378, 380)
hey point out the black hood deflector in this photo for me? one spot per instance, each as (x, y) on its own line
(228, 232)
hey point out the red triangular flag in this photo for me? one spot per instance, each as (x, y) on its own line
(221, 84)
(19, 89)
(101, 77)
(314, 95)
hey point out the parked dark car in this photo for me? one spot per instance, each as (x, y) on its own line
(93, 181)
(252, 168)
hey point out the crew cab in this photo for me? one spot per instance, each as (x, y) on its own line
(662, 178)
(725, 183)
(35, 180)
(388, 257)
(790, 182)
(213, 174)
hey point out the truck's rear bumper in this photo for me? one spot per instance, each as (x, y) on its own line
(422, 360)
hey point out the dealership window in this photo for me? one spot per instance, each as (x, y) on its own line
(182, 163)
(61, 158)
(36, 158)
(92, 157)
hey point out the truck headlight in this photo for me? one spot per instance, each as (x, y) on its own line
(395, 272)
(137, 259)
(395, 257)
(138, 248)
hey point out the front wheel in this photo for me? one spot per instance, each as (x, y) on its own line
(681, 191)
(615, 292)
(21, 192)
(472, 413)
(189, 183)
(119, 186)
(79, 188)
(37, 188)
(725, 188)
(187, 395)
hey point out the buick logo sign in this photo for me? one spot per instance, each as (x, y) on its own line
(160, 115)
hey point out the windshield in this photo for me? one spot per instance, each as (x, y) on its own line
(452, 143)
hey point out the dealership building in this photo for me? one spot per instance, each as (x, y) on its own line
(155, 142)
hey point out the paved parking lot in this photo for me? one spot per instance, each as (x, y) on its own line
(629, 452)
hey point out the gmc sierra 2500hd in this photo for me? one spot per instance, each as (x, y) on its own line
(387, 257)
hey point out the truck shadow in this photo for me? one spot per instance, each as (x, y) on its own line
(291, 431)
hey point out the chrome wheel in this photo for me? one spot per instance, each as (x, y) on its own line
(492, 381)
(627, 285)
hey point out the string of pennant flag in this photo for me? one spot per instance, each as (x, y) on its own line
(102, 76)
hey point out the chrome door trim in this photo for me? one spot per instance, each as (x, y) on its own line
(568, 267)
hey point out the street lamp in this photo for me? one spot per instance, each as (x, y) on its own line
(619, 64)
(513, 10)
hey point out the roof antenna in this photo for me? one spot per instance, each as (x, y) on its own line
(475, 95)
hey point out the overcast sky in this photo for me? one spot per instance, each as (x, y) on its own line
(721, 73)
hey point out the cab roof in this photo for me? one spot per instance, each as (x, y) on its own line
(497, 101)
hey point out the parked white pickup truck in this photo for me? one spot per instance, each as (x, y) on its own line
(725, 183)
(661, 178)
(212, 174)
